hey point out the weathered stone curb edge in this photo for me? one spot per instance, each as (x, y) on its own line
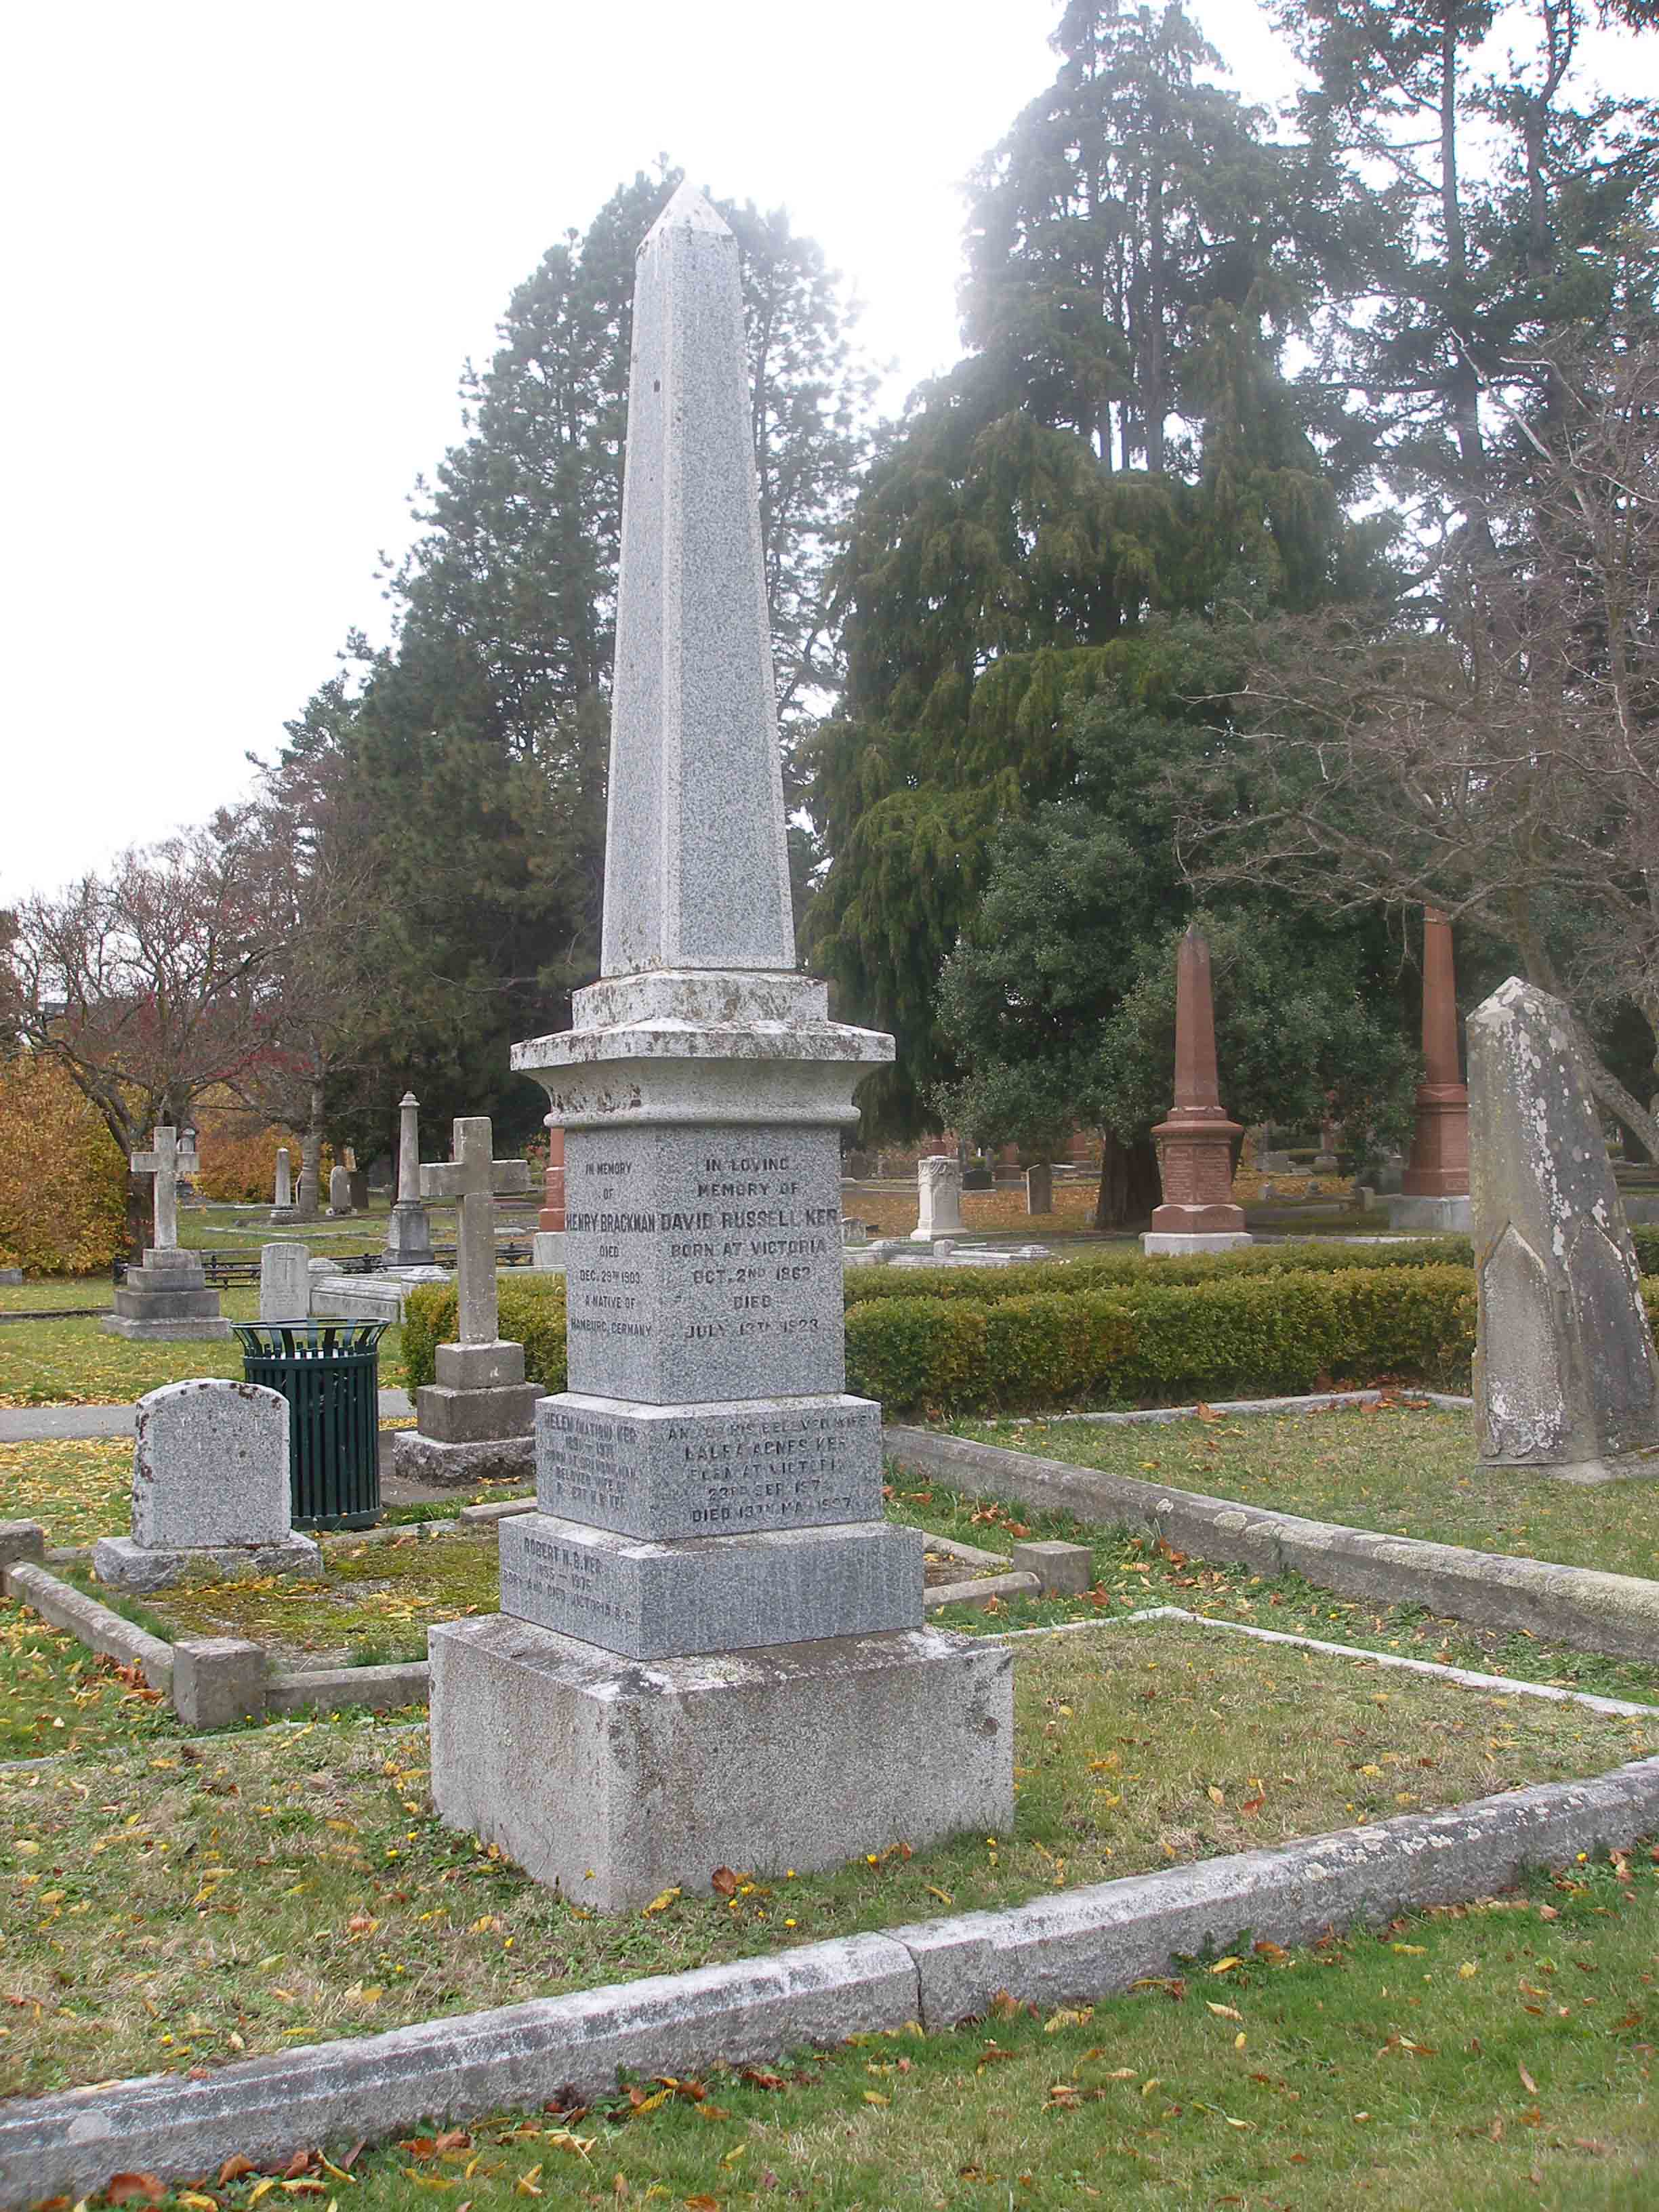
(1080, 1944)
(96, 1625)
(1615, 1614)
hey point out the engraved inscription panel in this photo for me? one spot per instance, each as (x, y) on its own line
(794, 1464)
(565, 1586)
(703, 1263)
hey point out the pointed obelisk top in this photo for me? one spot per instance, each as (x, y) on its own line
(697, 866)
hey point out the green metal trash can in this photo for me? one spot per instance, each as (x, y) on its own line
(330, 1373)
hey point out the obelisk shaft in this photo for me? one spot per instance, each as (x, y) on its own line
(1439, 1165)
(1195, 1144)
(696, 867)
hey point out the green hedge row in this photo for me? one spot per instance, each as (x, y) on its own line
(1124, 1268)
(1163, 1342)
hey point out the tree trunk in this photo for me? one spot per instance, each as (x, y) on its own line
(1128, 1182)
(310, 1154)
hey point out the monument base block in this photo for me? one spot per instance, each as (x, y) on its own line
(613, 1781)
(455, 1415)
(124, 1564)
(1626, 1467)
(1171, 1245)
(416, 1458)
(183, 1330)
(1434, 1216)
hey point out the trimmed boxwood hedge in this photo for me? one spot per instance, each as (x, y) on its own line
(1131, 1331)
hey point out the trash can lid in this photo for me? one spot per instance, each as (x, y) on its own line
(308, 1339)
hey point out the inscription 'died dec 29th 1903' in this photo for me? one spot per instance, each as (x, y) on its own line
(703, 1263)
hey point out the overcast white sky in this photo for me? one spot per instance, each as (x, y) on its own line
(250, 247)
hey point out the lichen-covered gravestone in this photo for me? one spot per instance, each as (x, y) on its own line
(210, 1490)
(711, 1649)
(1565, 1379)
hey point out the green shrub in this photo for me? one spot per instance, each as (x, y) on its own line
(1645, 1238)
(1109, 1270)
(1157, 1341)
(532, 1314)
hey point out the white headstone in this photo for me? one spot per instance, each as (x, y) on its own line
(285, 1193)
(285, 1282)
(210, 1487)
(939, 1189)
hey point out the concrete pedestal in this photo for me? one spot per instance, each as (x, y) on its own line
(416, 1458)
(409, 1236)
(125, 1564)
(1431, 1216)
(613, 1780)
(1156, 1243)
(166, 1299)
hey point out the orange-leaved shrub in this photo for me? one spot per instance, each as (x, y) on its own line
(63, 1180)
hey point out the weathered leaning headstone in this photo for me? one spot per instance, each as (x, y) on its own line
(475, 1423)
(938, 1198)
(168, 1297)
(210, 1490)
(1434, 1188)
(409, 1232)
(1195, 1142)
(1566, 1380)
(711, 1649)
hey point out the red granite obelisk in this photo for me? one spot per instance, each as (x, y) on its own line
(552, 1213)
(1195, 1144)
(1439, 1165)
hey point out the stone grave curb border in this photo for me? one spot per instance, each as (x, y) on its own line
(1081, 1945)
(1615, 1615)
(224, 1681)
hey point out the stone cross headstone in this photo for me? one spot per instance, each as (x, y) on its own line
(1566, 1380)
(710, 1643)
(473, 1177)
(162, 1161)
(285, 1282)
(474, 1422)
(1194, 1141)
(168, 1297)
(938, 1198)
(209, 1489)
(409, 1232)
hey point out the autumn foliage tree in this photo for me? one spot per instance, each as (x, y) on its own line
(62, 1183)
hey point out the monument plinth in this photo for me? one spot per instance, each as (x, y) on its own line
(1434, 1189)
(1195, 1142)
(711, 1641)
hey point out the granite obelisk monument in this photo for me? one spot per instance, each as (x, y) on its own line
(1434, 1191)
(711, 1649)
(1195, 1143)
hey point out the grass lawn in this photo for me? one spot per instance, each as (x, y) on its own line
(176, 1905)
(1131, 1572)
(375, 1607)
(56, 1697)
(1492, 2057)
(73, 1362)
(41, 1293)
(1404, 1473)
